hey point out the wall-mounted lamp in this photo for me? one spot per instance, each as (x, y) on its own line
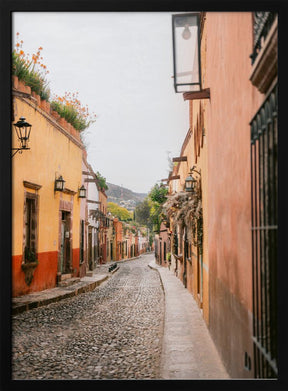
(82, 192)
(187, 56)
(23, 130)
(193, 169)
(190, 181)
(186, 52)
(59, 184)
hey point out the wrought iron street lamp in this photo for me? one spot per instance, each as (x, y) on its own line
(23, 130)
(190, 183)
(59, 184)
(82, 192)
(186, 52)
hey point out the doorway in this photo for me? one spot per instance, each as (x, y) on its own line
(65, 246)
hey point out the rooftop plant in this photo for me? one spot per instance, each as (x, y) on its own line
(70, 108)
(33, 72)
(30, 70)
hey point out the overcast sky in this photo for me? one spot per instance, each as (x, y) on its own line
(121, 65)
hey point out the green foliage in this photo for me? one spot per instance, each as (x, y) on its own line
(158, 194)
(118, 211)
(70, 108)
(149, 212)
(101, 181)
(30, 255)
(25, 71)
(32, 72)
(70, 115)
(142, 212)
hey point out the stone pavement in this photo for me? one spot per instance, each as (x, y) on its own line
(113, 332)
(47, 296)
(188, 351)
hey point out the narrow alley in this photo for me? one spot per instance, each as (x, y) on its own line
(143, 243)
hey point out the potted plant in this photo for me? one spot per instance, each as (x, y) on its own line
(29, 265)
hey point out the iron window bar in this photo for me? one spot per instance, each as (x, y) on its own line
(264, 182)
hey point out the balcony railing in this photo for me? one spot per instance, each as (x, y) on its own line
(262, 24)
(101, 217)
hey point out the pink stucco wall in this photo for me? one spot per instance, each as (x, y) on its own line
(233, 102)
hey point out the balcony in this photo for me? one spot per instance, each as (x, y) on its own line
(265, 51)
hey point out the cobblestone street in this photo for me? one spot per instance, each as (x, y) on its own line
(113, 332)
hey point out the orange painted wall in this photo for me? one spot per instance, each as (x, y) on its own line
(44, 275)
(55, 149)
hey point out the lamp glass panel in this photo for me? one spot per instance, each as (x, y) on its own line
(59, 184)
(186, 53)
(82, 192)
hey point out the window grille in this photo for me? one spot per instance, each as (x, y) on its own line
(264, 183)
(30, 231)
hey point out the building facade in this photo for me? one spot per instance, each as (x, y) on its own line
(103, 226)
(92, 223)
(46, 222)
(83, 254)
(230, 150)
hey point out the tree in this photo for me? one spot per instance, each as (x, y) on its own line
(149, 211)
(142, 212)
(101, 181)
(157, 195)
(118, 211)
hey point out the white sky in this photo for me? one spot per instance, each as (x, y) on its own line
(121, 64)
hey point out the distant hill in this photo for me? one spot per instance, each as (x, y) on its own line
(123, 197)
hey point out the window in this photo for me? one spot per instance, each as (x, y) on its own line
(81, 241)
(30, 232)
(175, 241)
(264, 183)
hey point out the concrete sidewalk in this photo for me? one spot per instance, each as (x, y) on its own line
(188, 350)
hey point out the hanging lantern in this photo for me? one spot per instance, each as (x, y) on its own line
(82, 192)
(190, 183)
(23, 130)
(59, 184)
(186, 52)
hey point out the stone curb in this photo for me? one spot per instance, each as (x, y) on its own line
(57, 295)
